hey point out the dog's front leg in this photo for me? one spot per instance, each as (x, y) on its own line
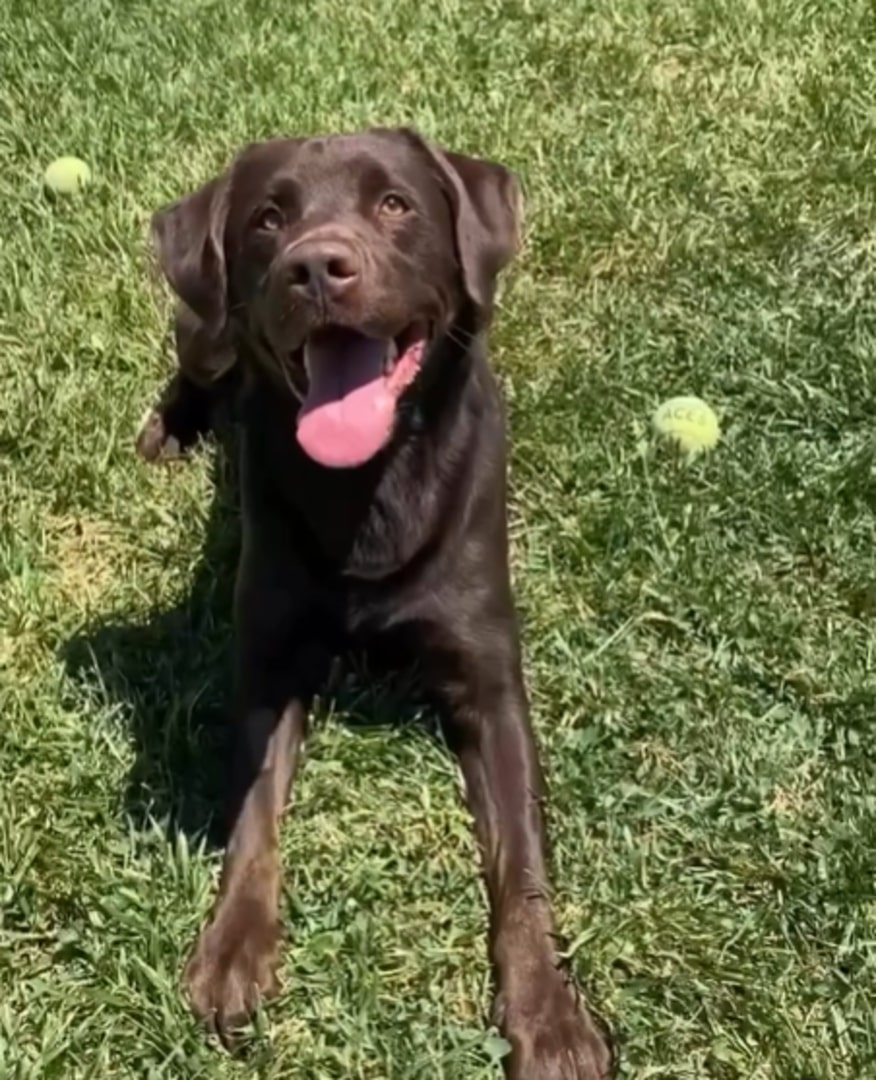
(552, 1035)
(234, 961)
(280, 664)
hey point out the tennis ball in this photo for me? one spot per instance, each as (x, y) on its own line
(67, 175)
(690, 422)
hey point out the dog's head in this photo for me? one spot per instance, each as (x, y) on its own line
(343, 259)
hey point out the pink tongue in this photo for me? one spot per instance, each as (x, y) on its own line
(348, 413)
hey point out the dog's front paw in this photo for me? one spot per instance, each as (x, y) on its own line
(232, 968)
(552, 1035)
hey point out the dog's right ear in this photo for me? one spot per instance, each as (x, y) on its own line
(189, 239)
(204, 355)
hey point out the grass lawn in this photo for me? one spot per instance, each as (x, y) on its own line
(700, 637)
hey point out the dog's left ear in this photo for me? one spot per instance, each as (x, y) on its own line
(487, 204)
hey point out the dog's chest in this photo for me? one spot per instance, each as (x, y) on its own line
(366, 523)
(375, 529)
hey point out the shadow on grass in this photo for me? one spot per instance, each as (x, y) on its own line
(169, 678)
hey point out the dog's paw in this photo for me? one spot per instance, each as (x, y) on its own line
(154, 442)
(233, 967)
(553, 1036)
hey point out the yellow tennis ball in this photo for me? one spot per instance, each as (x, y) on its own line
(67, 175)
(690, 422)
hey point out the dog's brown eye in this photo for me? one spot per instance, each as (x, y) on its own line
(394, 205)
(270, 219)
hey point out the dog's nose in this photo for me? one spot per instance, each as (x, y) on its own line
(322, 267)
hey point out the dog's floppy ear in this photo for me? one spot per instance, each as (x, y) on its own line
(203, 355)
(189, 239)
(487, 203)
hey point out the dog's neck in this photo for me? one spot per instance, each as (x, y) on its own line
(372, 521)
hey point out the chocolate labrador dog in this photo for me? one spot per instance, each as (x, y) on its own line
(342, 287)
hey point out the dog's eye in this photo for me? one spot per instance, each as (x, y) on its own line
(393, 205)
(269, 220)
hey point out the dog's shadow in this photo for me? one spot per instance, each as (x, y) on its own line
(170, 677)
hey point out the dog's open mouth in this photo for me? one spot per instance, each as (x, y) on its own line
(354, 383)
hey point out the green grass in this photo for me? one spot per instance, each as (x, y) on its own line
(700, 638)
